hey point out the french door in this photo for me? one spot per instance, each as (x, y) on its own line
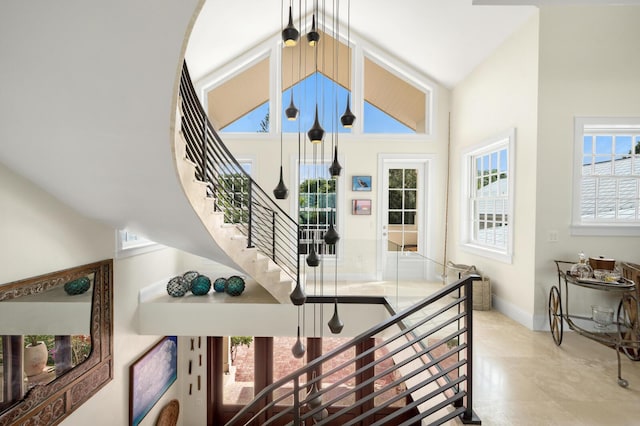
(402, 218)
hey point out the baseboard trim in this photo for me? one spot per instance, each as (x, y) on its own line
(513, 312)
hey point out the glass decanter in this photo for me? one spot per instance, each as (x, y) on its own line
(581, 269)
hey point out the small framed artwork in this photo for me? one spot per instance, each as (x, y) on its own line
(150, 376)
(361, 183)
(361, 207)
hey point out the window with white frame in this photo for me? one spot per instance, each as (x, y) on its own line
(488, 200)
(606, 176)
(317, 198)
(232, 191)
(131, 244)
(392, 99)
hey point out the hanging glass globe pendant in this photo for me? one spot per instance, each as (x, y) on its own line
(298, 348)
(316, 132)
(312, 258)
(290, 34)
(331, 236)
(313, 36)
(291, 112)
(335, 167)
(281, 192)
(335, 324)
(297, 296)
(348, 118)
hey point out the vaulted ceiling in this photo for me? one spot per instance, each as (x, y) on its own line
(443, 39)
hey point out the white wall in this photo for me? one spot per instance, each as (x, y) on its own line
(500, 94)
(40, 234)
(589, 62)
(111, 405)
(358, 156)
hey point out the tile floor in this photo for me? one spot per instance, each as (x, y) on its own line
(522, 378)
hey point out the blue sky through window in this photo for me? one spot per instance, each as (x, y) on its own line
(249, 122)
(378, 121)
(606, 147)
(304, 97)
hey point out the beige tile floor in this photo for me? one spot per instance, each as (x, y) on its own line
(522, 378)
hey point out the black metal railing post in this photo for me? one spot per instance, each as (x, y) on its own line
(298, 254)
(203, 164)
(469, 417)
(296, 401)
(250, 218)
(273, 235)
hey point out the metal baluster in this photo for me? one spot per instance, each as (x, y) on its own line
(296, 401)
(250, 207)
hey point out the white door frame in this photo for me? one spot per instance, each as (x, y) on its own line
(425, 218)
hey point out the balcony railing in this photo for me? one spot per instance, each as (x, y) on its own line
(427, 349)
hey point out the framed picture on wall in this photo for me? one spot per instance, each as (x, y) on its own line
(150, 376)
(361, 183)
(361, 207)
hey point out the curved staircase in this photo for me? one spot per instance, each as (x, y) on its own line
(260, 238)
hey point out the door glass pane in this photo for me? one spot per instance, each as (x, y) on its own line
(410, 199)
(343, 378)
(284, 364)
(239, 366)
(410, 178)
(395, 218)
(410, 218)
(395, 241)
(395, 199)
(395, 178)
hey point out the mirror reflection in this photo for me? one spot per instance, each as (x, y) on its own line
(44, 333)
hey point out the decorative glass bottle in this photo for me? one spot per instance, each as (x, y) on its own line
(582, 268)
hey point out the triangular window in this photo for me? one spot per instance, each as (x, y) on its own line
(331, 101)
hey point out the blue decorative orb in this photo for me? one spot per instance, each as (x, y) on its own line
(218, 285)
(200, 285)
(78, 286)
(177, 286)
(190, 275)
(234, 286)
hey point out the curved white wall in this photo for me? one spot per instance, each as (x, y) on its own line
(88, 99)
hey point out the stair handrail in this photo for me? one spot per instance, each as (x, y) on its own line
(257, 216)
(459, 390)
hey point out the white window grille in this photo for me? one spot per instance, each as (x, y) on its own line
(488, 200)
(606, 181)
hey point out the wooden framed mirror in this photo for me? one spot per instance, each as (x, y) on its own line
(80, 349)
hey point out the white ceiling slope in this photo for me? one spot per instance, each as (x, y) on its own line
(86, 94)
(443, 39)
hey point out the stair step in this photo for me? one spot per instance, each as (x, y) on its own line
(227, 235)
(191, 163)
